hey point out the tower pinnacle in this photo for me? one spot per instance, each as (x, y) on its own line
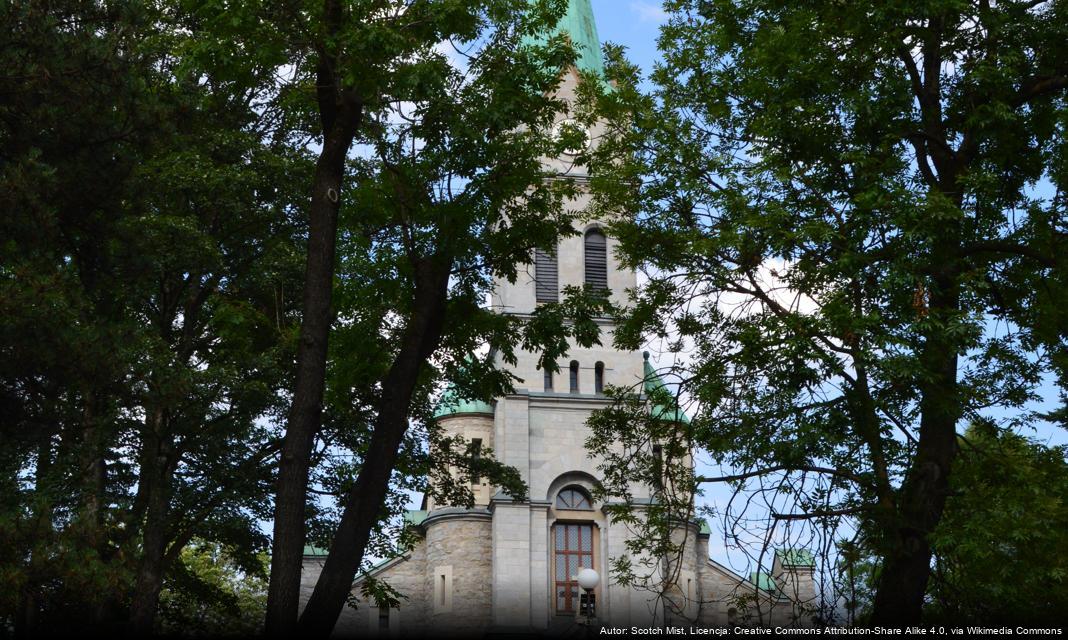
(579, 25)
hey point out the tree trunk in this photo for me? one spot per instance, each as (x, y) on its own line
(25, 621)
(907, 565)
(94, 470)
(906, 570)
(150, 572)
(156, 470)
(94, 483)
(340, 125)
(363, 503)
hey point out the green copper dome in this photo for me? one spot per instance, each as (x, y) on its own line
(653, 382)
(451, 405)
(579, 25)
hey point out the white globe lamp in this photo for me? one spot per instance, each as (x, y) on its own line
(588, 579)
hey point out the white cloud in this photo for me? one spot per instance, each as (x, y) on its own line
(770, 276)
(648, 11)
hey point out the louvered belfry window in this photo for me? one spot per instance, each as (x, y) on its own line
(596, 260)
(546, 280)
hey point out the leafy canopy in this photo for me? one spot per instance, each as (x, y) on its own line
(853, 222)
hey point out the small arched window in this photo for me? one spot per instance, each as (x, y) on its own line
(574, 376)
(596, 260)
(598, 378)
(546, 278)
(548, 379)
(658, 466)
(573, 498)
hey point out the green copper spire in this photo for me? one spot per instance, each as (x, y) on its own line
(579, 25)
(653, 382)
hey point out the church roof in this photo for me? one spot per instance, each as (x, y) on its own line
(653, 382)
(415, 517)
(763, 581)
(579, 25)
(451, 404)
(796, 557)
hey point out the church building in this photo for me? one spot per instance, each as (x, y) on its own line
(509, 567)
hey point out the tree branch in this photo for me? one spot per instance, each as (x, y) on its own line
(760, 472)
(818, 514)
(1038, 86)
(1007, 246)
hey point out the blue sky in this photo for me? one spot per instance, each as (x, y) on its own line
(633, 24)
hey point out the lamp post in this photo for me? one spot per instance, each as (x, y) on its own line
(588, 579)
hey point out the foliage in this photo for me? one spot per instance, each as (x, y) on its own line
(449, 195)
(210, 594)
(853, 221)
(147, 289)
(155, 173)
(995, 550)
(998, 546)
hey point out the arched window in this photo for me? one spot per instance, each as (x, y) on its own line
(598, 378)
(574, 376)
(573, 498)
(476, 455)
(546, 281)
(548, 379)
(572, 550)
(596, 260)
(573, 542)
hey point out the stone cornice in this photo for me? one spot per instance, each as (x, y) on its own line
(455, 513)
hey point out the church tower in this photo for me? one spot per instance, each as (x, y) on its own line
(510, 566)
(540, 545)
(536, 547)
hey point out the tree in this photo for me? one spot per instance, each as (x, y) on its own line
(157, 167)
(362, 58)
(145, 326)
(453, 194)
(992, 559)
(855, 216)
(993, 547)
(209, 594)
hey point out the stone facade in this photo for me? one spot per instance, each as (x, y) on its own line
(458, 570)
(406, 574)
(484, 571)
(709, 594)
(470, 427)
(496, 568)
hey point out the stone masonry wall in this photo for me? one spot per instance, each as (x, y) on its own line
(470, 427)
(729, 600)
(462, 544)
(407, 576)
